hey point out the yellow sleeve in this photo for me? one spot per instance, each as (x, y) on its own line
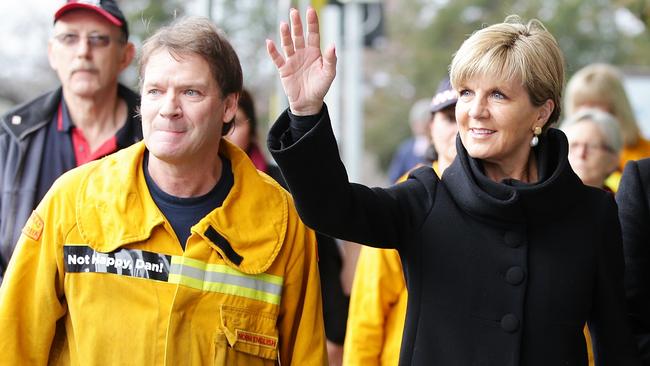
(302, 331)
(378, 283)
(31, 296)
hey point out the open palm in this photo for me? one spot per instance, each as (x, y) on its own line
(306, 73)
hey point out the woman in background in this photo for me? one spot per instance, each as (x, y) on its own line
(595, 143)
(244, 135)
(601, 86)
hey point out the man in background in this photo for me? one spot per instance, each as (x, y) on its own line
(89, 116)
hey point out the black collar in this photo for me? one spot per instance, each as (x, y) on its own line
(511, 200)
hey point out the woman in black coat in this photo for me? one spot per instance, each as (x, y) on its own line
(508, 255)
(633, 199)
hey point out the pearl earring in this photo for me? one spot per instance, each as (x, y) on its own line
(535, 140)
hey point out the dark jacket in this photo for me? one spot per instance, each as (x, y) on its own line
(22, 142)
(633, 199)
(497, 273)
(330, 265)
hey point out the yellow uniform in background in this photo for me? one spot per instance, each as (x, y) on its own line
(99, 277)
(377, 310)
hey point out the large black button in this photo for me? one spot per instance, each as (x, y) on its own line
(513, 239)
(510, 323)
(515, 275)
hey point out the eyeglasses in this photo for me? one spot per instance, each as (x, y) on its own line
(94, 40)
(589, 147)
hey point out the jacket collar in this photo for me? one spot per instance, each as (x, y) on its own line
(511, 200)
(32, 115)
(253, 217)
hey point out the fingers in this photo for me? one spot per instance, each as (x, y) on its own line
(285, 40)
(293, 39)
(296, 29)
(276, 57)
(313, 35)
(329, 59)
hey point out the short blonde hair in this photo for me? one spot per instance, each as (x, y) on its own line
(603, 84)
(525, 52)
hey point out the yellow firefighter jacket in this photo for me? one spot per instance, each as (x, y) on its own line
(99, 277)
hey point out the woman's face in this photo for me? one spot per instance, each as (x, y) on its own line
(589, 155)
(443, 129)
(240, 134)
(496, 120)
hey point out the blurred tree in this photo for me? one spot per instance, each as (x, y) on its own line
(144, 18)
(640, 8)
(248, 24)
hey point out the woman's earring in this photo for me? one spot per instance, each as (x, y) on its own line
(535, 140)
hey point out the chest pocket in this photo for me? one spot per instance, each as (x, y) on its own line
(246, 337)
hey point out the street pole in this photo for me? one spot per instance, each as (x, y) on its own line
(279, 102)
(331, 27)
(352, 82)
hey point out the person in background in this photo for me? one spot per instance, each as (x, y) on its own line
(174, 251)
(379, 296)
(601, 86)
(633, 198)
(330, 262)
(509, 254)
(412, 151)
(244, 135)
(595, 142)
(89, 116)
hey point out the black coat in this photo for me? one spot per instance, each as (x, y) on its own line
(633, 199)
(497, 273)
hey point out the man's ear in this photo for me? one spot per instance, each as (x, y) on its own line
(230, 107)
(128, 53)
(51, 58)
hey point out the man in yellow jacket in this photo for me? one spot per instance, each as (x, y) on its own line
(176, 251)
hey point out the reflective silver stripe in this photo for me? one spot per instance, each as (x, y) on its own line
(224, 279)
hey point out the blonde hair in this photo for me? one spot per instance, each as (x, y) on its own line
(524, 52)
(602, 84)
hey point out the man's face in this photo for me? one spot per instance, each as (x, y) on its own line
(182, 108)
(87, 53)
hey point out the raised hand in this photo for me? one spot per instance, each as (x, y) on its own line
(305, 72)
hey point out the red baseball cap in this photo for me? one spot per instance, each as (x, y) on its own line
(106, 8)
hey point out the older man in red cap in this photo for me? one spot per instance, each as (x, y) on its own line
(89, 116)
